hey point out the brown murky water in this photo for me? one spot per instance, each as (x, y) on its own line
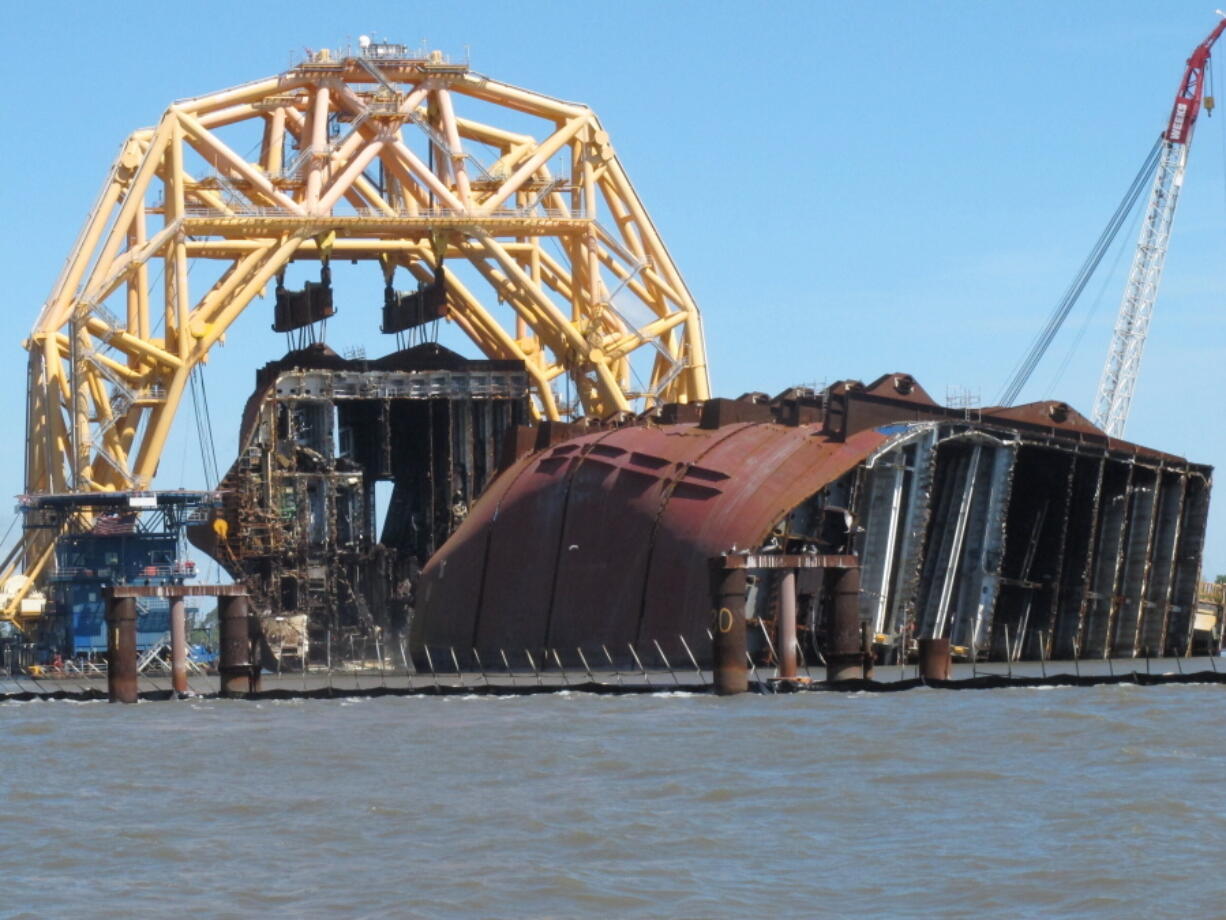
(1099, 802)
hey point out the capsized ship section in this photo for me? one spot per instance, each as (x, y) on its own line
(1014, 532)
(300, 521)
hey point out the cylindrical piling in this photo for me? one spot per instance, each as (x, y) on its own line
(178, 644)
(845, 656)
(121, 674)
(785, 638)
(239, 672)
(935, 662)
(866, 649)
(729, 673)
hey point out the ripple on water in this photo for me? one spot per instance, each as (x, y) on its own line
(1089, 802)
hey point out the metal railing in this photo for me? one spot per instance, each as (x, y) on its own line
(178, 569)
(376, 51)
(251, 211)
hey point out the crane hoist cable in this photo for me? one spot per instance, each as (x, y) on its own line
(204, 427)
(1108, 276)
(1038, 348)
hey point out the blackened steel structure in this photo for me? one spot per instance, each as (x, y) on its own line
(300, 527)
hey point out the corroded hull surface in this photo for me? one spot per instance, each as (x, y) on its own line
(1013, 533)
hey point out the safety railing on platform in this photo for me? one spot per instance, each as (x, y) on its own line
(536, 212)
(185, 569)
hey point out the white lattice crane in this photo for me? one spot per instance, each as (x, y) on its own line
(1119, 376)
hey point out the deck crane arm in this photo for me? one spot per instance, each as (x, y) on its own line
(1119, 376)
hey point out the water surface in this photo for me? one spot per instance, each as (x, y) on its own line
(1077, 802)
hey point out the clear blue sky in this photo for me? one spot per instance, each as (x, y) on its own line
(849, 188)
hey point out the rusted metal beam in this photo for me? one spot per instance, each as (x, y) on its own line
(239, 673)
(119, 591)
(934, 659)
(728, 632)
(845, 653)
(786, 626)
(178, 644)
(121, 674)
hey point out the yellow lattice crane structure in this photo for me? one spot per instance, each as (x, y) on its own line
(374, 153)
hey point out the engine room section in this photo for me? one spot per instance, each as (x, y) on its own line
(303, 527)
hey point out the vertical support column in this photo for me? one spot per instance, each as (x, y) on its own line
(729, 589)
(178, 645)
(79, 347)
(271, 149)
(456, 153)
(239, 673)
(934, 659)
(845, 656)
(866, 649)
(121, 649)
(785, 637)
(318, 159)
(176, 286)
